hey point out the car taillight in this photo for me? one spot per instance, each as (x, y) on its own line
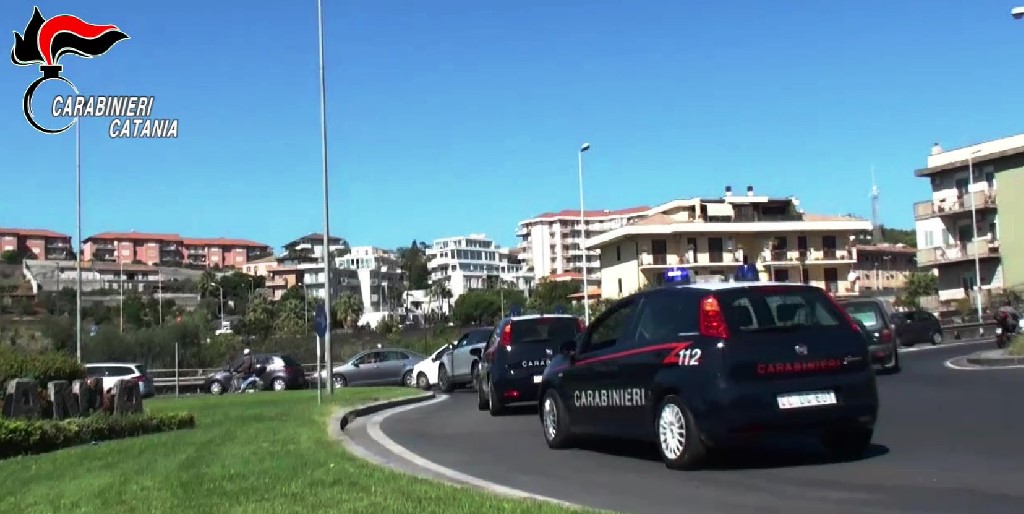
(712, 321)
(582, 325)
(506, 336)
(885, 336)
(849, 319)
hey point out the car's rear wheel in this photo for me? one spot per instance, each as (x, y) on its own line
(847, 444)
(422, 381)
(444, 380)
(474, 374)
(408, 380)
(937, 338)
(679, 439)
(494, 405)
(216, 387)
(555, 420)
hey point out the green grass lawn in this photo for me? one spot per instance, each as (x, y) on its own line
(266, 452)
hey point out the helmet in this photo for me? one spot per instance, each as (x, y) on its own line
(245, 351)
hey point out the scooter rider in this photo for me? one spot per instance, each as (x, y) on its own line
(244, 371)
(1009, 315)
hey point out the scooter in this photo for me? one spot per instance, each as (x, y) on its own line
(254, 383)
(1005, 328)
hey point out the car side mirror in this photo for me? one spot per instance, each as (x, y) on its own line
(476, 352)
(568, 348)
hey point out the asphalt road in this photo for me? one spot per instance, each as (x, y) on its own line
(947, 442)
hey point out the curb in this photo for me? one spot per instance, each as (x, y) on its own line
(979, 359)
(345, 417)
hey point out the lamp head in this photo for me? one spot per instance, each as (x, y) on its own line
(585, 147)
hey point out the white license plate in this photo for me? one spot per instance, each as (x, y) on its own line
(536, 379)
(999, 330)
(806, 399)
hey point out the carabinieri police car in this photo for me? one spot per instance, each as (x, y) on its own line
(695, 366)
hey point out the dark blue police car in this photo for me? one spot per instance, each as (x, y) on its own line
(695, 366)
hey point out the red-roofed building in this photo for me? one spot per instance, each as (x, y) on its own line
(172, 249)
(43, 244)
(551, 241)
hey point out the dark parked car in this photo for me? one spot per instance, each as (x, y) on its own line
(278, 371)
(890, 329)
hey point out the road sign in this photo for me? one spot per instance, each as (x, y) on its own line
(320, 321)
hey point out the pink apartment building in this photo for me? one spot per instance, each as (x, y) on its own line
(172, 249)
(45, 245)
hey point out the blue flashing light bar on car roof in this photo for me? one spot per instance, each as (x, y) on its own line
(679, 276)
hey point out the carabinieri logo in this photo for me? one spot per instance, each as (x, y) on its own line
(45, 41)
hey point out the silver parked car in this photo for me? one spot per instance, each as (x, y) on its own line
(383, 366)
(458, 367)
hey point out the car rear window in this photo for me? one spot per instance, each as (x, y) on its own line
(290, 361)
(120, 371)
(759, 308)
(142, 369)
(868, 313)
(544, 329)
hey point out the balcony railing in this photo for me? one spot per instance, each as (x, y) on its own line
(103, 246)
(809, 255)
(956, 252)
(962, 203)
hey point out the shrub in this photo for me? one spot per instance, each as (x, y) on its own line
(44, 367)
(1016, 347)
(26, 437)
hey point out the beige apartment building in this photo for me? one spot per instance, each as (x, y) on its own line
(712, 237)
(958, 229)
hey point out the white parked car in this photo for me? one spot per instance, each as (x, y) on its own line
(110, 372)
(426, 371)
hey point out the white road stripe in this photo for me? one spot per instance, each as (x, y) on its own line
(942, 345)
(949, 364)
(378, 435)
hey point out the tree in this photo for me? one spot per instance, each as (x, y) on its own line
(259, 318)
(290, 316)
(206, 283)
(548, 295)
(439, 291)
(899, 236)
(921, 284)
(10, 257)
(347, 310)
(413, 261)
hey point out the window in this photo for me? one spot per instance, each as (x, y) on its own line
(758, 308)
(394, 356)
(119, 371)
(929, 239)
(609, 328)
(547, 329)
(368, 358)
(663, 317)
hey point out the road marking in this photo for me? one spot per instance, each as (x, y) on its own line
(949, 364)
(943, 345)
(378, 435)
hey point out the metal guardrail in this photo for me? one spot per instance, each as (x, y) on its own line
(193, 379)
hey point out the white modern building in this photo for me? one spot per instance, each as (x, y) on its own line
(474, 262)
(551, 241)
(378, 271)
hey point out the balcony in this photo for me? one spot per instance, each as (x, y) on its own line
(670, 260)
(962, 203)
(57, 244)
(809, 256)
(956, 253)
(103, 246)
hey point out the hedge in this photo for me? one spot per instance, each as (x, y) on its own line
(44, 367)
(24, 437)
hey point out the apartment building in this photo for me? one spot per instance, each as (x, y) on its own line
(475, 262)
(883, 267)
(551, 241)
(378, 272)
(958, 230)
(712, 237)
(43, 245)
(171, 250)
(312, 245)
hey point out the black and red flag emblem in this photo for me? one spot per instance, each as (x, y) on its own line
(45, 41)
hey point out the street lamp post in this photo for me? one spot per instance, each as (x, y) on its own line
(974, 231)
(160, 297)
(221, 290)
(120, 287)
(583, 238)
(327, 229)
(78, 239)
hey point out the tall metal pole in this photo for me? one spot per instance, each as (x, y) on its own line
(160, 299)
(120, 287)
(78, 239)
(974, 229)
(583, 239)
(327, 223)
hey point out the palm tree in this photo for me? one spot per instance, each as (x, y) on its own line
(348, 308)
(439, 290)
(206, 283)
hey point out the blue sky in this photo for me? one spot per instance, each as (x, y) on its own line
(447, 117)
